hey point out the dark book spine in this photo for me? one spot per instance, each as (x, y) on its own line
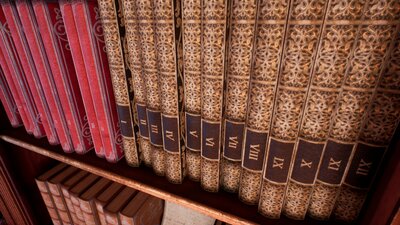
(269, 40)
(119, 75)
(191, 30)
(153, 96)
(382, 116)
(135, 61)
(170, 81)
(55, 42)
(238, 69)
(213, 34)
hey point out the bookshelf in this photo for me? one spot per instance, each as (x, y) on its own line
(222, 206)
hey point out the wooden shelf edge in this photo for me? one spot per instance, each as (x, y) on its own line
(215, 213)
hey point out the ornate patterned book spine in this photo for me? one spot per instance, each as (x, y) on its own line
(88, 24)
(40, 61)
(169, 79)
(8, 102)
(214, 17)
(383, 114)
(270, 33)
(191, 31)
(301, 42)
(77, 208)
(135, 61)
(239, 58)
(69, 206)
(48, 200)
(11, 50)
(153, 97)
(52, 32)
(68, 22)
(109, 18)
(89, 212)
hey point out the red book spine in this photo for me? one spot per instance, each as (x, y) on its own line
(88, 24)
(56, 45)
(8, 102)
(69, 23)
(14, 92)
(35, 45)
(22, 63)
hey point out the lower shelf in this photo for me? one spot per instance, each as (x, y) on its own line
(222, 206)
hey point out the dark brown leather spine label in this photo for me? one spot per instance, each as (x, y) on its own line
(233, 140)
(154, 119)
(254, 150)
(210, 139)
(170, 133)
(125, 120)
(364, 165)
(193, 132)
(142, 118)
(306, 161)
(334, 162)
(278, 161)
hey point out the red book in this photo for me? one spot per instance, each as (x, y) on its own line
(52, 32)
(69, 23)
(35, 45)
(8, 102)
(90, 33)
(22, 64)
(14, 92)
(11, 64)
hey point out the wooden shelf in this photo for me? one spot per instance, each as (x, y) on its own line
(222, 206)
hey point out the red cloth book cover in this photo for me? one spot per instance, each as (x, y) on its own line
(52, 32)
(33, 44)
(77, 57)
(22, 64)
(8, 102)
(90, 33)
(11, 64)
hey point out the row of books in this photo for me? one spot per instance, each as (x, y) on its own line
(292, 107)
(73, 196)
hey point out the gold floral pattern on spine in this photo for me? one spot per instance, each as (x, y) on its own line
(149, 65)
(108, 11)
(164, 18)
(213, 31)
(239, 57)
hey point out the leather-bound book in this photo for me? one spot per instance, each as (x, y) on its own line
(87, 201)
(145, 18)
(150, 212)
(54, 185)
(138, 84)
(267, 59)
(46, 195)
(129, 212)
(77, 61)
(112, 209)
(78, 189)
(214, 14)
(104, 198)
(169, 79)
(239, 57)
(40, 60)
(65, 187)
(91, 40)
(111, 18)
(191, 30)
(382, 116)
(16, 55)
(56, 45)
(8, 102)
